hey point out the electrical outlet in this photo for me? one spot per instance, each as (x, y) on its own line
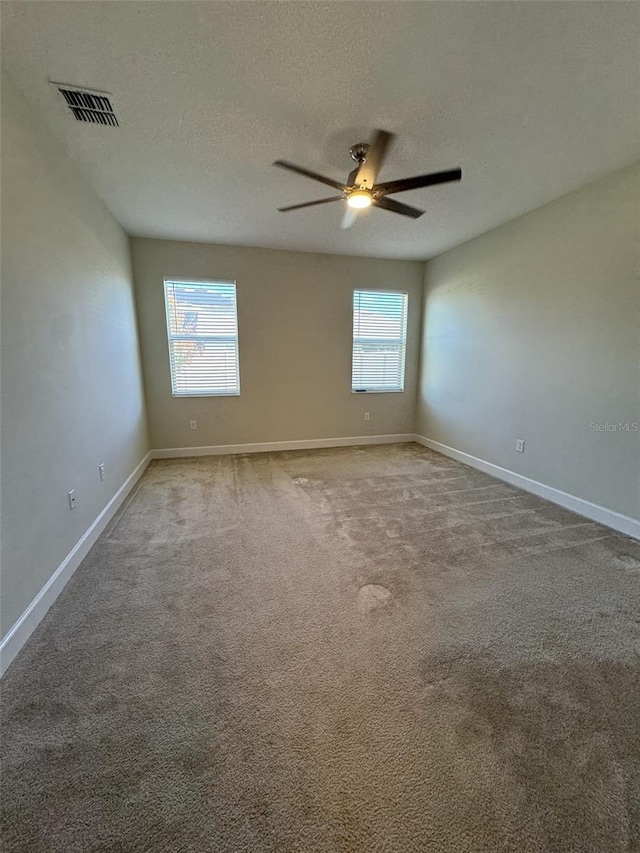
(520, 445)
(72, 499)
(101, 470)
(193, 424)
(367, 416)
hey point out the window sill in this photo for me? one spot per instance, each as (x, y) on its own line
(206, 394)
(380, 391)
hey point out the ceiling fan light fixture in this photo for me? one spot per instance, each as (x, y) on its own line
(359, 199)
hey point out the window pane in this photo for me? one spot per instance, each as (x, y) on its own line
(203, 337)
(379, 340)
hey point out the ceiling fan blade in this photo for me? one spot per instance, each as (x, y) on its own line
(368, 171)
(419, 181)
(284, 164)
(311, 203)
(350, 217)
(396, 207)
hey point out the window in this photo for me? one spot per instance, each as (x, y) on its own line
(202, 327)
(379, 340)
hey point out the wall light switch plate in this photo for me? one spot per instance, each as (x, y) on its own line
(72, 499)
(102, 471)
(520, 445)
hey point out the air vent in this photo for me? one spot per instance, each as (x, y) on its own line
(87, 105)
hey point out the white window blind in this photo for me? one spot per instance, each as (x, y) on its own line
(202, 326)
(379, 340)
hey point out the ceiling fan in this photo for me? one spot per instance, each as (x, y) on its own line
(361, 190)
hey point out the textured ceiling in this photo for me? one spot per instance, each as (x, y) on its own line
(531, 99)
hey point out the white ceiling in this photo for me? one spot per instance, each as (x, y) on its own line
(531, 99)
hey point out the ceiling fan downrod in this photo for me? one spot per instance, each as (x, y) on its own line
(359, 152)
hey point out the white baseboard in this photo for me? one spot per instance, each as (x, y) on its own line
(268, 446)
(32, 616)
(595, 512)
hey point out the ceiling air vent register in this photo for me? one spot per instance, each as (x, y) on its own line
(88, 105)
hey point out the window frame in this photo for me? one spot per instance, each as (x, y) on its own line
(403, 340)
(171, 337)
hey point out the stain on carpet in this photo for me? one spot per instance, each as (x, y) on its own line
(372, 596)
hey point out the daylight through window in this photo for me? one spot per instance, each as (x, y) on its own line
(379, 340)
(202, 327)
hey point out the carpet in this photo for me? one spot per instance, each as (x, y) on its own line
(354, 650)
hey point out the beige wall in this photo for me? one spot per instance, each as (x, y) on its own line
(295, 332)
(533, 331)
(71, 382)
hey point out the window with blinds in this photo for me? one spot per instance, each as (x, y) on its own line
(379, 340)
(202, 327)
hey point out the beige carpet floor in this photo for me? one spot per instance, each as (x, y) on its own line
(359, 650)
